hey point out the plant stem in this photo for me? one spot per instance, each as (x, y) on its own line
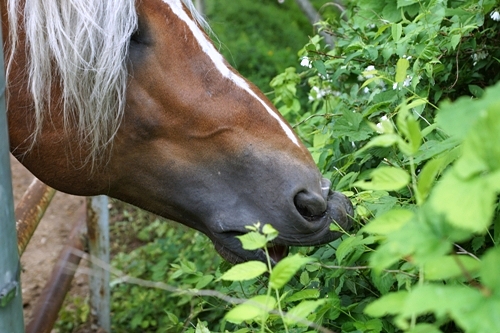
(281, 310)
(418, 198)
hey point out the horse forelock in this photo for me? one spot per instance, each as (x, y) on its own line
(84, 45)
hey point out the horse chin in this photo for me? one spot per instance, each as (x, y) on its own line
(339, 212)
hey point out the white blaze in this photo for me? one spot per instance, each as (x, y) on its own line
(218, 60)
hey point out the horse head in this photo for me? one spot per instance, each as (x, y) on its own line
(196, 143)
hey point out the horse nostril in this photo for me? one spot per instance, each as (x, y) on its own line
(309, 204)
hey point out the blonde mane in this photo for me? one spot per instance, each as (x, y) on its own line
(84, 44)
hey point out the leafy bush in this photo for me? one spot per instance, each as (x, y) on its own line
(422, 172)
(173, 258)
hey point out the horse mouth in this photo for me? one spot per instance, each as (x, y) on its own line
(236, 254)
(339, 212)
(277, 252)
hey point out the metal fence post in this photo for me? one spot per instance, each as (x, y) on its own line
(98, 235)
(11, 304)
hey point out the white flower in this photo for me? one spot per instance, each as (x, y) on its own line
(318, 93)
(369, 69)
(306, 62)
(479, 56)
(382, 125)
(406, 83)
(495, 15)
(380, 128)
(366, 90)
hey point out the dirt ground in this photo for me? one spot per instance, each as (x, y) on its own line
(48, 240)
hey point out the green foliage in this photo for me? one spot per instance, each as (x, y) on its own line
(172, 258)
(265, 310)
(74, 314)
(260, 38)
(422, 171)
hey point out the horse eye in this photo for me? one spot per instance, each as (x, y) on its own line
(136, 36)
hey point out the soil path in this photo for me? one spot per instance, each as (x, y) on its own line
(47, 241)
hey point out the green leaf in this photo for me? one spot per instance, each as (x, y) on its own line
(433, 148)
(480, 146)
(201, 328)
(245, 271)
(370, 80)
(445, 299)
(255, 308)
(204, 281)
(388, 304)
(441, 268)
(352, 125)
(403, 3)
(384, 140)
(401, 67)
(417, 238)
(348, 246)
(300, 312)
(320, 139)
(172, 318)
(410, 128)
(379, 202)
(476, 90)
(487, 318)
(430, 52)
(371, 326)
(396, 31)
(456, 119)
(467, 204)
(428, 175)
(383, 281)
(269, 231)
(424, 328)
(389, 221)
(304, 278)
(302, 294)
(320, 66)
(253, 240)
(490, 269)
(286, 269)
(385, 178)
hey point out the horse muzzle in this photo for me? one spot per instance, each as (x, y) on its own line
(313, 216)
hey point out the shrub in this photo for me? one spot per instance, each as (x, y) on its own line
(422, 171)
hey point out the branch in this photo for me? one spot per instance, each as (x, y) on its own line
(313, 16)
(124, 278)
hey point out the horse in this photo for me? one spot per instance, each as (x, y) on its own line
(131, 99)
